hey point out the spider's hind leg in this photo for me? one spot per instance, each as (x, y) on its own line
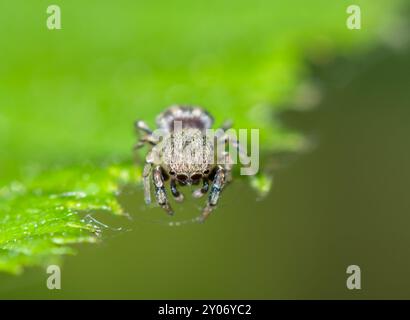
(142, 126)
(226, 125)
(146, 134)
(228, 164)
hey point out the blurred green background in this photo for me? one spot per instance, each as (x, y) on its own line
(71, 95)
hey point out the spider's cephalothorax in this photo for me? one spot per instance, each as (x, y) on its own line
(184, 154)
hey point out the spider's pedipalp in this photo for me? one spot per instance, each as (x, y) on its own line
(202, 191)
(178, 196)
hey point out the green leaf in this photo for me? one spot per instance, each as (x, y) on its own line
(40, 218)
(261, 183)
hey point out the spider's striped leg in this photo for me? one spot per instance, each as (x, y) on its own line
(216, 189)
(203, 190)
(160, 190)
(178, 196)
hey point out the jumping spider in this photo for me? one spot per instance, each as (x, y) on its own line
(184, 166)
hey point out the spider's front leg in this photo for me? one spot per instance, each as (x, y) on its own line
(146, 174)
(160, 193)
(216, 189)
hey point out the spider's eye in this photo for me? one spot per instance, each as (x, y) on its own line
(172, 173)
(206, 171)
(196, 176)
(182, 177)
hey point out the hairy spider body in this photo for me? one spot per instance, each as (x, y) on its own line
(188, 153)
(183, 153)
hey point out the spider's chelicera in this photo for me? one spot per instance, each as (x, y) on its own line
(184, 152)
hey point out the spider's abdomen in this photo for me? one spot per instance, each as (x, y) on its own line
(181, 117)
